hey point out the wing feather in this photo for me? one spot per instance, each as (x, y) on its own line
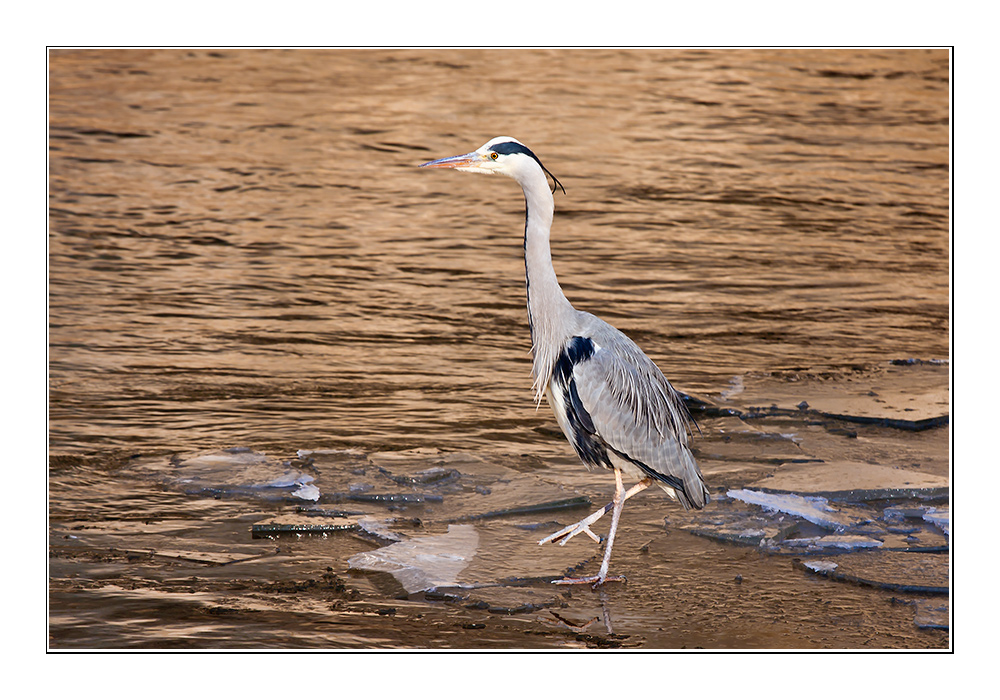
(633, 409)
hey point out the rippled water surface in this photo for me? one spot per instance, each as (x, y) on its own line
(242, 252)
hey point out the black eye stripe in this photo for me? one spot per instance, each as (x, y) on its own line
(509, 147)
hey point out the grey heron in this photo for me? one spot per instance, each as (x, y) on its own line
(612, 402)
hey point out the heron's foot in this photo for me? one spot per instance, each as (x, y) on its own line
(597, 580)
(568, 533)
(571, 531)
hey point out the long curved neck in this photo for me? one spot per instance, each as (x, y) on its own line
(550, 314)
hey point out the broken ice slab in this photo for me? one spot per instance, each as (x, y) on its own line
(899, 409)
(395, 497)
(423, 563)
(731, 440)
(421, 464)
(434, 475)
(379, 528)
(854, 481)
(298, 524)
(932, 614)
(734, 522)
(940, 517)
(895, 571)
(909, 397)
(909, 519)
(827, 543)
(237, 472)
(318, 521)
(751, 537)
(440, 486)
(814, 509)
(820, 566)
(905, 572)
(307, 492)
(492, 554)
(785, 530)
(457, 487)
(547, 507)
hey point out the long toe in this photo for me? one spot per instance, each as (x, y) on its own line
(580, 528)
(571, 531)
(556, 535)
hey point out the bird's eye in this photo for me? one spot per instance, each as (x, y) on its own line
(494, 156)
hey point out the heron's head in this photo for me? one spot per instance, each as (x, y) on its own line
(503, 155)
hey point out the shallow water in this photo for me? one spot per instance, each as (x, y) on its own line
(243, 253)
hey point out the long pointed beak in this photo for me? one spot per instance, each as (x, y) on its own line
(464, 161)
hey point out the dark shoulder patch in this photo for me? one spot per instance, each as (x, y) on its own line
(580, 349)
(577, 350)
(584, 437)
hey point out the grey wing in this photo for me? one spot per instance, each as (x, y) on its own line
(635, 412)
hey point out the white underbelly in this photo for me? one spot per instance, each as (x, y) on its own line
(555, 399)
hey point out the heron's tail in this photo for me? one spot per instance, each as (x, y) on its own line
(694, 493)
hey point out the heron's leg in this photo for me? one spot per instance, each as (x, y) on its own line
(571, 531)
(641, 486)
(619, 503)
(616, 505)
